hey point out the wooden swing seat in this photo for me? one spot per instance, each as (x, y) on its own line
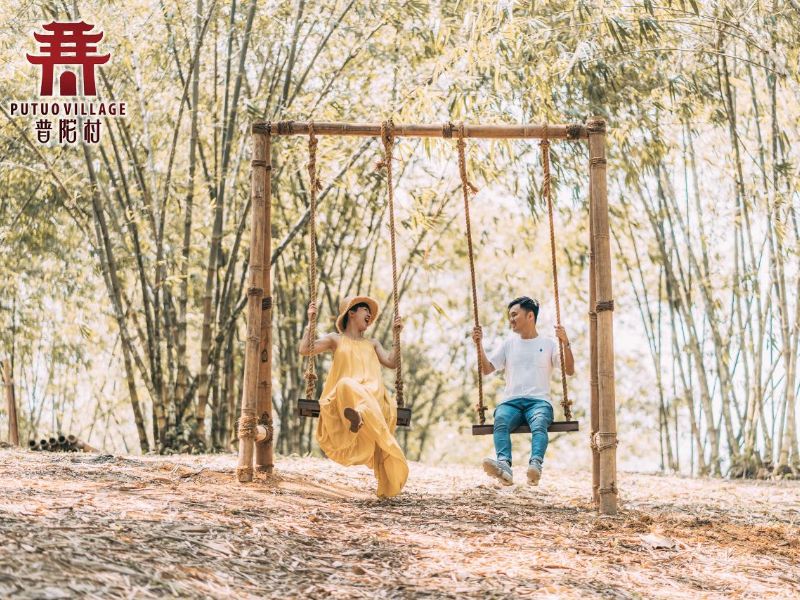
(310, 408)
(555, 426)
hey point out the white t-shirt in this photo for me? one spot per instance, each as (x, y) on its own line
(528, 365)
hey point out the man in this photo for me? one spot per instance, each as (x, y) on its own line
(529, 360)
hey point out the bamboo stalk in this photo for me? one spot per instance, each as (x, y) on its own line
(84, 447)
(606, 437)
(573, 131)
(11, 404)
(264, 402)
(594, 385)
(247, 419)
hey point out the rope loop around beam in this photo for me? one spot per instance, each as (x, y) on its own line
(447, 130)
(604, 306)
(596, 125)
(574, 131)
(284, 127)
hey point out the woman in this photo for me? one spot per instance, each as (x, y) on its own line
(357, 416)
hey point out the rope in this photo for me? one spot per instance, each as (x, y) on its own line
(609, 490)
(266, 421)
(604, 441)
(387, 135)
(311, 370)
(247, 427)
(545, 147)
(466, 187)
(603, 306)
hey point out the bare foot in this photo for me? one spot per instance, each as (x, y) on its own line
(356, 421)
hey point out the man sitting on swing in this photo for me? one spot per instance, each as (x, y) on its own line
(357, 417)
(529, 360)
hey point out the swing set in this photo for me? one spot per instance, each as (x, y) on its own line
(255, 424)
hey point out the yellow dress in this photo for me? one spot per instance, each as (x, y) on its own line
(355, 381)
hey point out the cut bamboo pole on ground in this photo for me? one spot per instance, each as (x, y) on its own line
(605, 440)
(248, 421)
(62, 444)
(264, 401)
(11, 404)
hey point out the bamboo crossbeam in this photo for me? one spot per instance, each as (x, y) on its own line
(572, 131)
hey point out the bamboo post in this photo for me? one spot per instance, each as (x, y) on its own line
(605, 440)
(11, 404)
(264, 404)
(594, 405)
(248, 420)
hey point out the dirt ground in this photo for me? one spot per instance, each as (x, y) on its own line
(98, 526)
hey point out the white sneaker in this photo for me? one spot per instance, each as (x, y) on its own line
(534, 473)
(499, 469)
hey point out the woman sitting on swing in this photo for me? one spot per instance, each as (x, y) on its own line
(357, 417)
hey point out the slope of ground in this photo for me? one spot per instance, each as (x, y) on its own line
(98, 526)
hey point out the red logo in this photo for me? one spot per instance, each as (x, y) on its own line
(68, 44)
(68, 120)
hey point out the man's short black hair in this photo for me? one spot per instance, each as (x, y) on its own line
(527, 304)
(353, 308)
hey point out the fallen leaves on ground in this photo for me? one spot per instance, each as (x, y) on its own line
(96, 526)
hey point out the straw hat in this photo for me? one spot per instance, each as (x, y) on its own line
(347, 303)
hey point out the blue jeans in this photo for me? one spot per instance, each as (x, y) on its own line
(511, 414)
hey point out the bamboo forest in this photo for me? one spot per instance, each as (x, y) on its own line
(442, 299)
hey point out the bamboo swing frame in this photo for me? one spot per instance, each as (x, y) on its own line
(255, 423)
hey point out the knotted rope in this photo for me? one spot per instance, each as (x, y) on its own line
(466, 187)
(566, 403)
(311, 370)
(387, 136)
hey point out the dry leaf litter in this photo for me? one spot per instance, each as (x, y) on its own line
(101, 526)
